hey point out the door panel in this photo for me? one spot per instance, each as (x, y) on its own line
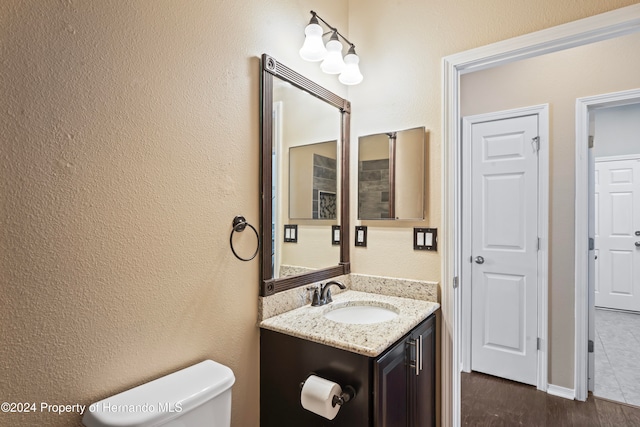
(504, 310)
(618, 219)
(621, 210)
(621, 272)
(504, 223)
(503, 147)
(504, 219)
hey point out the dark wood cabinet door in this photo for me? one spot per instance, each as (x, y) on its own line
(423, 385)
(392, 388)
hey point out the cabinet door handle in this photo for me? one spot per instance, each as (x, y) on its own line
(420, 352)
(416, 363)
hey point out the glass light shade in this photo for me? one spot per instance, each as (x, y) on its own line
(333, 63)
(313, 48)
(351, 74)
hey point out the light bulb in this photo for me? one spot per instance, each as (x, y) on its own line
(351, 74)
(333, 63)
(313, 48)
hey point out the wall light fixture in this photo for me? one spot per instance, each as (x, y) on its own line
(314, 50)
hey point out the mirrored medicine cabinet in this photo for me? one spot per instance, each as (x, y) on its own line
(391, 175)
(305, 159)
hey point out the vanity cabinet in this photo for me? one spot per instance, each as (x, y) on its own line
(392, 390)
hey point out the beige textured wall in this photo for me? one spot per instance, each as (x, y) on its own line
(129, 140)
(558, 79)
(401, 44)
(129, 137)
(376, 147)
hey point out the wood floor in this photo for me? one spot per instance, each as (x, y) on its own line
(491, 401)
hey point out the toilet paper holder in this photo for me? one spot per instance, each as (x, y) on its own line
(348, 393)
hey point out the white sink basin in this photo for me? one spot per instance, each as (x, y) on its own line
(361, 312)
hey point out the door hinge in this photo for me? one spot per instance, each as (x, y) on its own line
(592, 244)
(590, 346)
(535, 141)
(538, 243)
(591, 142)
(455, 282)
(538, 343)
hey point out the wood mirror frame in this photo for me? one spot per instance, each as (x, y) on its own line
(273, 69)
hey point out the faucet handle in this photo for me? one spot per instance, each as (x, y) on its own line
(328, 298)
(315, 295)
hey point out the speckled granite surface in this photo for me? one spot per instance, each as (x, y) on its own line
(292, 270)
(406, 288)
(370, 340)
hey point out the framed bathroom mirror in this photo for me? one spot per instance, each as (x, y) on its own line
(391, 175)
(303, 125)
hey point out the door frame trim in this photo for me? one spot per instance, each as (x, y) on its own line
(583, 107)
(542, 111)
(596, 28)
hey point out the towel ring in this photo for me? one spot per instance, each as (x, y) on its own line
(239, 224)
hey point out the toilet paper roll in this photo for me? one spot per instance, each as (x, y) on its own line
(317, 396)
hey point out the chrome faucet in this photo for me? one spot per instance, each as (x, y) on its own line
(322, 294)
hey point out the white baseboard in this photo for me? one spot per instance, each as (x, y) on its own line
(556, 390)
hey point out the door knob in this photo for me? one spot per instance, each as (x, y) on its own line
(480, 260)
(637, 244)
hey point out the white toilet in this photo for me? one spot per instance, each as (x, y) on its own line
(197, 396)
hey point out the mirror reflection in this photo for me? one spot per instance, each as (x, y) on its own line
(313, 181)
(306, 140)
(391, 175)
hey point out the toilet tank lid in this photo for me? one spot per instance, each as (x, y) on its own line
(162, 399)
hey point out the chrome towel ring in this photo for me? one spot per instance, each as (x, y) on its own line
(239, 224)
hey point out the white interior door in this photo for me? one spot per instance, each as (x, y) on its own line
(504, 234)
(617, 209)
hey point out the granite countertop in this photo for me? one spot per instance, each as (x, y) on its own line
(371, 340)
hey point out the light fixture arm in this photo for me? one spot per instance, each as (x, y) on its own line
(333, 29)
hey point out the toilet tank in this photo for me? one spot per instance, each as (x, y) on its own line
(197, 396)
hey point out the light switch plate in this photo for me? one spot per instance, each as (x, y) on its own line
(291, 233)
(425, 239)
(361, 235)
(335, 235)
